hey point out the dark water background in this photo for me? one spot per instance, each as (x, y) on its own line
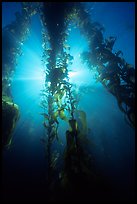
(24, 164)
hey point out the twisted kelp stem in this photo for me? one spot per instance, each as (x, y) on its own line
(55, 61)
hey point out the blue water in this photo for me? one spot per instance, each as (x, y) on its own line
(24, 164)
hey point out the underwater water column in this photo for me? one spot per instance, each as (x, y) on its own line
(66, 115)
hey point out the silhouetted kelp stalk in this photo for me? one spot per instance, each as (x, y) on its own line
(116, 75)
(59, 99)
(13, 37)
(55, 70)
